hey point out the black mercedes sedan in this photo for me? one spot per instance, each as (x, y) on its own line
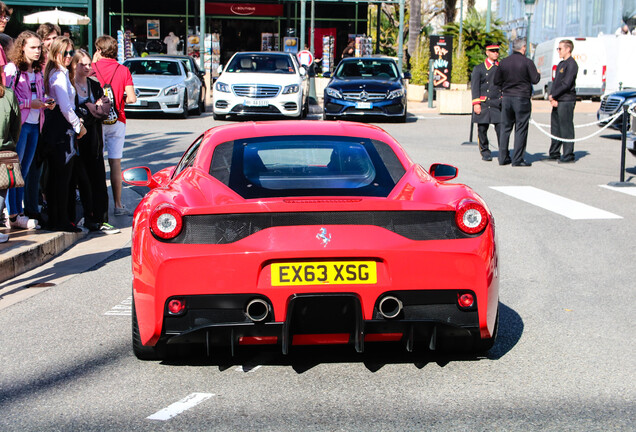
(366, 86)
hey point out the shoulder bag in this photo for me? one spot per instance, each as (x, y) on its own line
(10, 173)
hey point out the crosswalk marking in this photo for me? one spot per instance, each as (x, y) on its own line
(626, 190)
(122, 309)
(555, 203)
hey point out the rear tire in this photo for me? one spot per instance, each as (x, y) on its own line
(202, 100)
(185, 113)
(483, 345)
(141, 351)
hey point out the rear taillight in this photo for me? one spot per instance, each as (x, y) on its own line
(176, 306)
(471, 217)
(166, 222)
(604, 73)
(554, 68)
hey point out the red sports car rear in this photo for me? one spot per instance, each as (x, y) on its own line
(309, 233)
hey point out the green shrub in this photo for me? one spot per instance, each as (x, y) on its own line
(419, 71)
(460, 73)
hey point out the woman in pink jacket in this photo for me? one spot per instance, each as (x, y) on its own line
(24, 76)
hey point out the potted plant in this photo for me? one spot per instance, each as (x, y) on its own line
(457, 100)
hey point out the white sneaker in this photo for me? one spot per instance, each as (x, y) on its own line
(24, 222)
(122, 211)
(4, 238)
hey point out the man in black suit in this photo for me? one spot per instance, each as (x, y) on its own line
(486, 98)
(515, 75)
(563, 98)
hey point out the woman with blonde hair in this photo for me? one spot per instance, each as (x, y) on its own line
(89, 174)
(62, 127)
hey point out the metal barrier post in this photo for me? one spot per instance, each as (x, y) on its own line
(622, 182)
(624, 141)
(431, 87)
(470, 138)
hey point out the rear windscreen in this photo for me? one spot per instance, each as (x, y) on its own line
(306, 166)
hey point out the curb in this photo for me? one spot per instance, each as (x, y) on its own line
(28, 249)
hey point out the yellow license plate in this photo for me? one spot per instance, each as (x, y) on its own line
(324, 272)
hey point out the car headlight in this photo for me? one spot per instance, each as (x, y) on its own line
(395, 94)
(171, 91)
(293, 88)
(333, 93)
(222, 87)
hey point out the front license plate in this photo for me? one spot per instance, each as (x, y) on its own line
(603, 116)
(256, 102)
(324, 273)
(143, 103)
(364, 105)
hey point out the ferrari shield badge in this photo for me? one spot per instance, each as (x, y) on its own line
(323, 236)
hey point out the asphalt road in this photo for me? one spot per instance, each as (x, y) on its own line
(564, 359)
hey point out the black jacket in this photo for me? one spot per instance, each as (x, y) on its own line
(516, 74)
(486, 93)
(564, 85)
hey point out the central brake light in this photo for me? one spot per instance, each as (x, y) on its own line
(471, 217)
(604, 73)
(166, 222)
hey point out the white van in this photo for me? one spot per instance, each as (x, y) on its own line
(589, 54)
(621, 59)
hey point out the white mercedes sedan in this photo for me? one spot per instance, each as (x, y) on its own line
(164, 85)
(261, 83)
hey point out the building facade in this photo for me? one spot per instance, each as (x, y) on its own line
(558, 18)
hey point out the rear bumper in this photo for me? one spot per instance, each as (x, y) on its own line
(227, 271)
(428, 318)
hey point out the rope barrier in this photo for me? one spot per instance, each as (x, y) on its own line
(573, 140)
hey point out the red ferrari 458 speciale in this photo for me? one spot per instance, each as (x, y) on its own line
(309, 233)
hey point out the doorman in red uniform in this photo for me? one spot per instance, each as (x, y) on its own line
(486, 99)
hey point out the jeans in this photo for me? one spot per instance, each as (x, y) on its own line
(25, 147)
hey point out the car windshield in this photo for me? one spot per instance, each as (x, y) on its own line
(367, 68)
(261, 63)
(153, 67)
(295, 166)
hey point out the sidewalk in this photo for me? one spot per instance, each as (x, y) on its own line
(29, 249)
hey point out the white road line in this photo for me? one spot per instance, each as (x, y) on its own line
(122, 309)
(248, 369)
(626, 190)
(177, 408)
(555, 203)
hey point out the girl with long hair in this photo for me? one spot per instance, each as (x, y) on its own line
(24, 76)
(62, 127)
(9, 132)
(89, 173)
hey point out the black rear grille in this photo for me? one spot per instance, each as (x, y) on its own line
(229, 228)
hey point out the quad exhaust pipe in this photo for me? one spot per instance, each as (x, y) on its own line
(257, 310)
(390, 307)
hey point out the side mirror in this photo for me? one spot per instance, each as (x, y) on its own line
(443, 172)
(302, 71)
(326, 74)
(407, 75)
(139, 176)
(219, 70)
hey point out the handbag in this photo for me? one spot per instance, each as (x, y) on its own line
(10, 172)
